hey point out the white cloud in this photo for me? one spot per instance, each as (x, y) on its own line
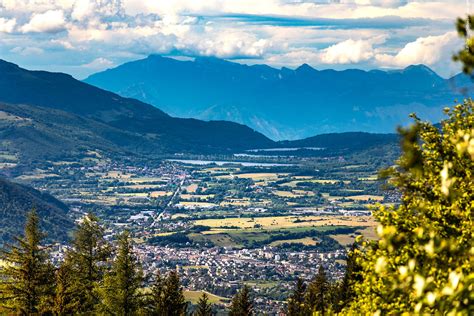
(428, 50)
(51, 21)
(27, 51)
(121, 30)
(347, 52)
(82, 9)
(99, 64)
(7, 25)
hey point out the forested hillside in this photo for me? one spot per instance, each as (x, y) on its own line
(17, 200)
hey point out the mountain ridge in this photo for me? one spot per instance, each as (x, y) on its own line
(284, 103)
(16, 200)
(107, 117)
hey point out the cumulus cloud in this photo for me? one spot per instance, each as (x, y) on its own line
(429, 50)
(7, 25)
(82, 9)
(51, 21)
(349, 51)
(333, 33)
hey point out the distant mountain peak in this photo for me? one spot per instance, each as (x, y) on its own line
(293, 103)
(420, 68)
(305, 68)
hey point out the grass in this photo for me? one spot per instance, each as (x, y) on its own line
(308, 241)
(347, 240)
(261, 284)
(275, 222)
(238, 238)
(192, 188)
(365, 197)
(196, 204)
(196, 196)
(156, 194)
(193, 297)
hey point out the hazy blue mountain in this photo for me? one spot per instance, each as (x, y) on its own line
(284, 103)
(43, 112)
(17, 200)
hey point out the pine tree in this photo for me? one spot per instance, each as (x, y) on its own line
(344, 291)
(242, 304)
(296, 302)
(156, 304)
(87, 259)
(173, 296)
(167, 297)
(204, 307)
(121, 291)
(27, 275)
(64, 291)
(317, 294)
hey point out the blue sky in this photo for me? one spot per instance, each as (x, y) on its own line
(81, 37)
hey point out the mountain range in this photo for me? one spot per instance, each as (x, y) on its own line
(44, 114)
(285, 103)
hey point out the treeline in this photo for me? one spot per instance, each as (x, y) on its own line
(94, 278)
(321, 296)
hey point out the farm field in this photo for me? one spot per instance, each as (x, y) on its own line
(277, 222)
(193, 297)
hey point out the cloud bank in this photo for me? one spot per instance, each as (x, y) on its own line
(84, 36)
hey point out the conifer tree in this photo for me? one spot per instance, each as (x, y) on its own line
(27, 274)
(167, 297)
(242, 304)
(317, 293)
(296, 302)
(87, 259)
(156, 304)
(204, 307)
(121, 291)
(343, 292)
(173, 296)
(64, 292)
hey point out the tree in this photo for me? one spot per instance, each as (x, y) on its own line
(466, 55)
(167, 297)
(296, 302)
(27, 274)
(121, 291)
(423, 262)
(156, 303)
(317, 294)
(242, 304)
(87, 258)
(173, 297)
(204, 307)
(64, 291)
(343, 291)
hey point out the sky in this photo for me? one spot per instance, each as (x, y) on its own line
(81, 37)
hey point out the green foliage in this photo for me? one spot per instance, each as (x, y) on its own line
(167, 296)
(121, 290)
(17, 199)
(424, 260)
(343, 291)
(318, 297)
(27, 279)
(87, 259)
(242, 303)
(64, 303)
(466, 55)
(204, 307)
(296, 302)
